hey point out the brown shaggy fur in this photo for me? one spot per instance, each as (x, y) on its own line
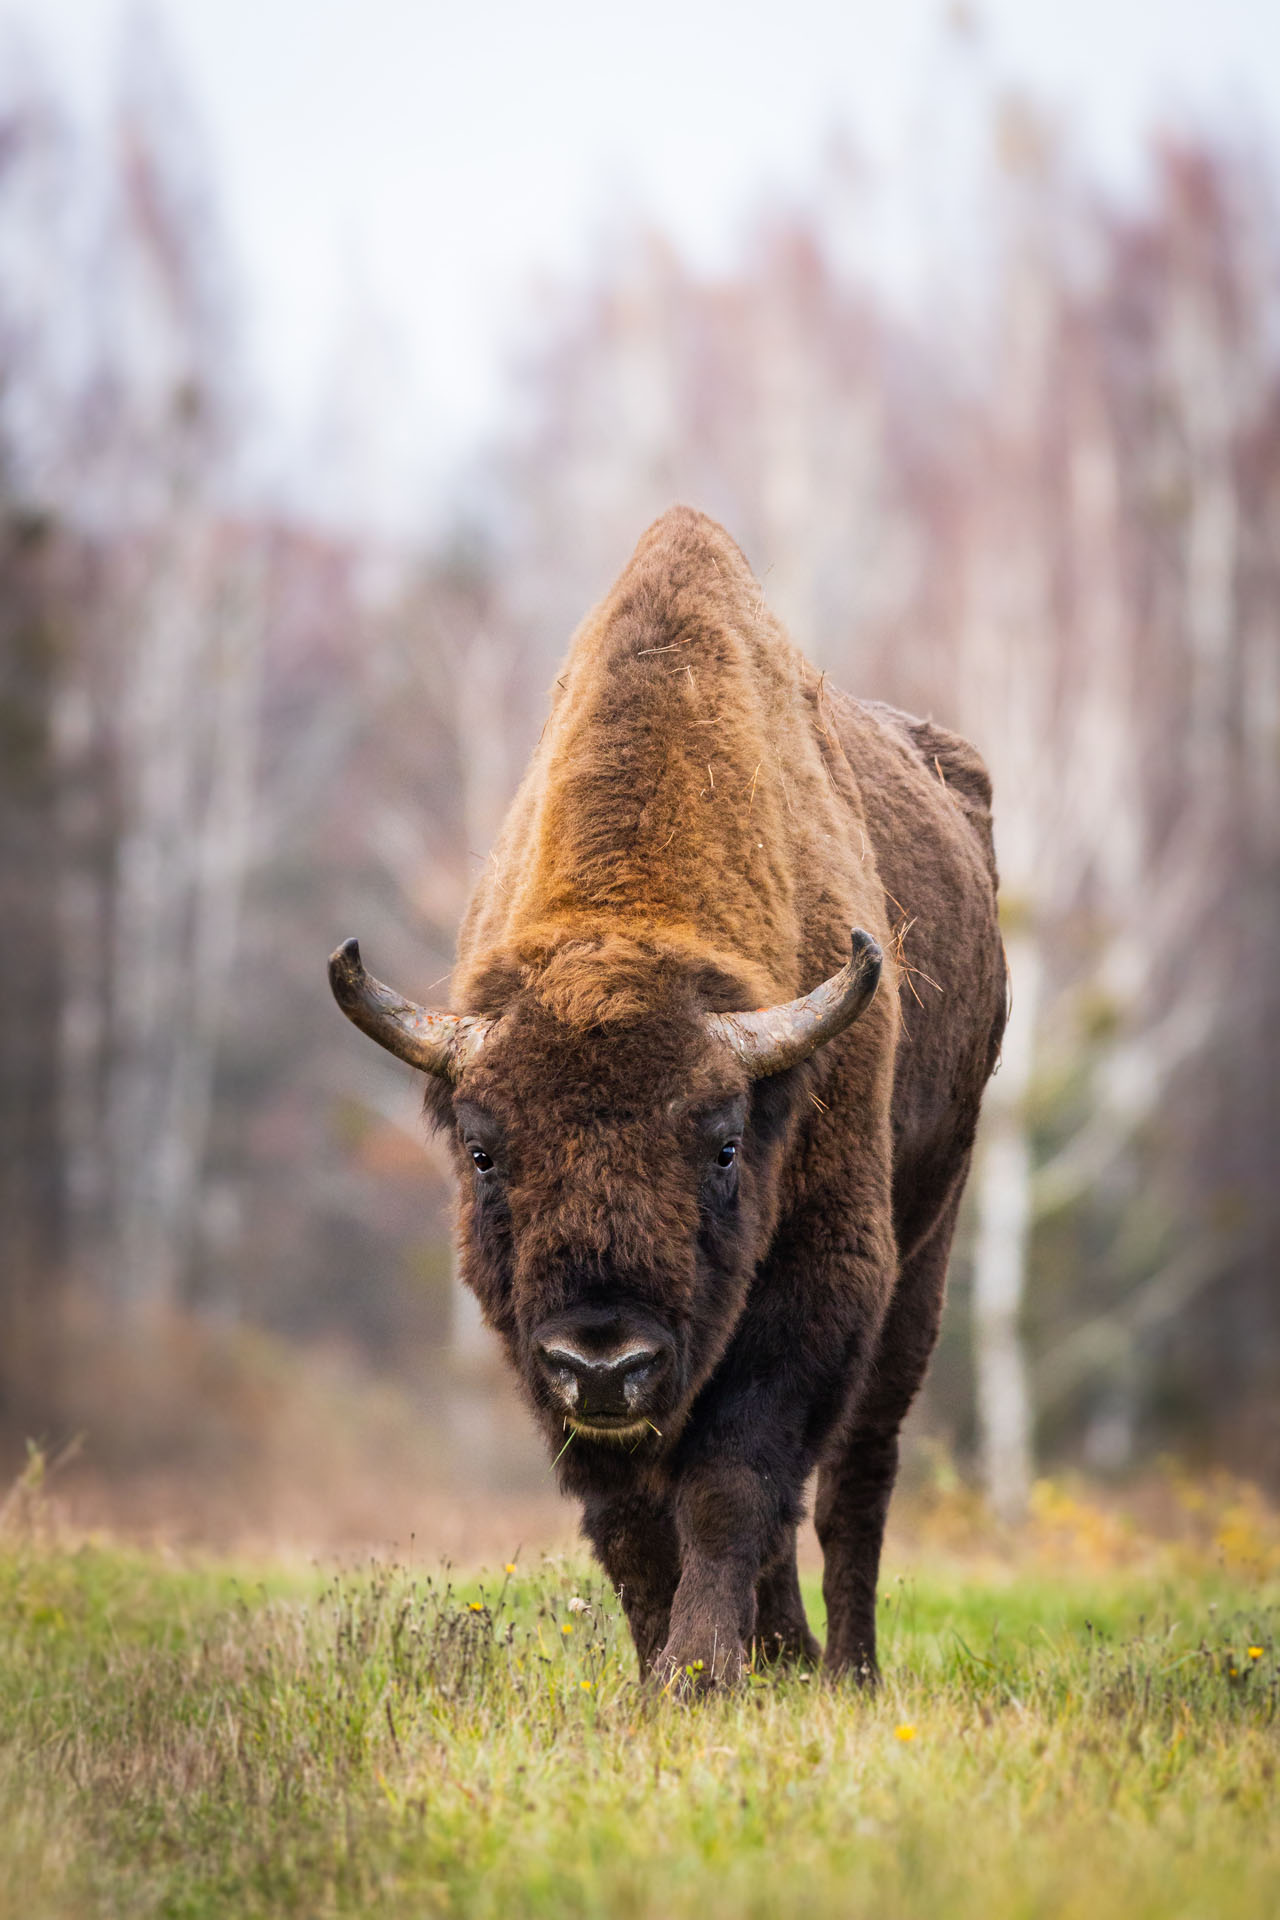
(702, 824)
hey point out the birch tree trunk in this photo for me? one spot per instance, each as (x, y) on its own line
(1001, 1255)
(81, 919)
(1008, 676)
(218, 861)
(187, 747)
(159, 701)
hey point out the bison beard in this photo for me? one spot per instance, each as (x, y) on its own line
(705, 1202)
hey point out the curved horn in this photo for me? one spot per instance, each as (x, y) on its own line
(439, 1043)
(778, 1037)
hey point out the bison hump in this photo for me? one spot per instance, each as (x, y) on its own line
(956, 762)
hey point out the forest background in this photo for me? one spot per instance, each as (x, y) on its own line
(241, 718)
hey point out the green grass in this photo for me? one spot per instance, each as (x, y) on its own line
(179, 1743)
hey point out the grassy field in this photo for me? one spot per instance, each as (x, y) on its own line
(179, 1742)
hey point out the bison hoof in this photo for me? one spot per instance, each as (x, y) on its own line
(793, 1648)
(860, 1667)
(684, 1673)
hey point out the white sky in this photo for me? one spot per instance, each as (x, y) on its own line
(398, 170)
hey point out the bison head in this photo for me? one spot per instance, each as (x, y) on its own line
(618, 1146)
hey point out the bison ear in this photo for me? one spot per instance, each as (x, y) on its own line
(438, 1043)
(776, 1037)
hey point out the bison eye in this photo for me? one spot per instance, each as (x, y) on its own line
(483, 1161)
(727, 1154)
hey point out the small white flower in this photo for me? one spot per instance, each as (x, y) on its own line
(578, 1605)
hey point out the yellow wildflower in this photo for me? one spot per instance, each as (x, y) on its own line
(904, 1733)
(475, 1606)
(566, 1628)
(510, 1567)
(1255, 1653)
(585, 1685)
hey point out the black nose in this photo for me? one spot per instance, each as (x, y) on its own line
(601, 1386)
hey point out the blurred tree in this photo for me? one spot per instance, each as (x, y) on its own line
(162, 691)
(40, 570)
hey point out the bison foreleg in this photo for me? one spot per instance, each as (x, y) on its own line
(733, 1519)
(634, 1537)
(740, 1475)
(712, 1622)
(782, 1632)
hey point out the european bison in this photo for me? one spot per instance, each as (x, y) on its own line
(706, 1203)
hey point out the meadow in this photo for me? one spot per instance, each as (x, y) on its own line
(1054, 1737)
